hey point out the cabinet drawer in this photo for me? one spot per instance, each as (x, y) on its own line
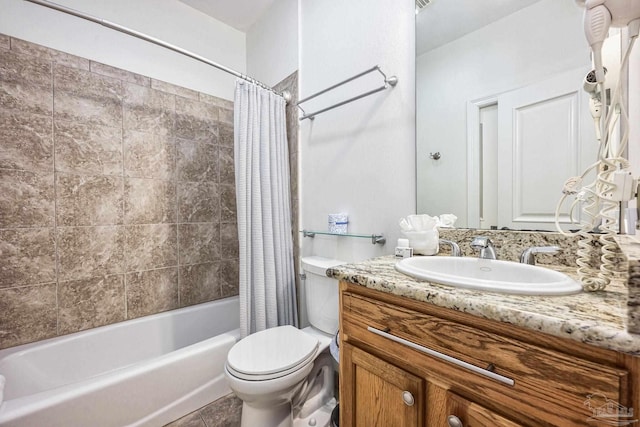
(552, 385)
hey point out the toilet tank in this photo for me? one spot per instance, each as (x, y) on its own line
(321, 293)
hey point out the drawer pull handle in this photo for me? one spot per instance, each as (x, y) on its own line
(407, 398)
(454, 421)
(458, 362)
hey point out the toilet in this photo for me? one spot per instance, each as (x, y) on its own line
(284, 375)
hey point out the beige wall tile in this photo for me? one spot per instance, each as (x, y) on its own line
(229, 241)
(89, 200)
(197, 161)
(173, 89)
(196, 120)
(18, 68)
(149, 201)
(86, 84)
(225, 135)
(199, 283)
(199, 243)
(90, 111)
(118, 73)
(85, 252)
(112, 140)
(45, 53)
(148, 110)
(25, 83)
(198, 202)
(226, 116)
(88, 149)
(26, 199)
(152, 291)
(214, 100)
(27, 256)
(151, 246)
(26, 141)
(149, 155)
(229, 271)
(89, 303)
(226, 166)
(228, 203)
(27, 314)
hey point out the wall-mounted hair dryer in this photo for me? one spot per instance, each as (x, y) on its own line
(599, 15)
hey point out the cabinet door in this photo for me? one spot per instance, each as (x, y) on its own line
(464, 413)
(376, 393)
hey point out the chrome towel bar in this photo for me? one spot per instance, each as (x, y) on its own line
(388, 81)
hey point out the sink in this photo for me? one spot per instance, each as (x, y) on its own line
(489, 275)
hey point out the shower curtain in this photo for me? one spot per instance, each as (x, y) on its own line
(261, 156)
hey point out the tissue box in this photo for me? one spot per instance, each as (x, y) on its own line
(338, 223)
(423, 242)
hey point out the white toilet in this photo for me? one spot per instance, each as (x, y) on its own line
(284, 375)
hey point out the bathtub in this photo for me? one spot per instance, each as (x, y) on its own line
(142, 372)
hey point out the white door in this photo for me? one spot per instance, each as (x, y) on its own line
(545, 136)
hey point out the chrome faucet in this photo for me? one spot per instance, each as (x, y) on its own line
(485, 246)
(528, 255)
(455, 249)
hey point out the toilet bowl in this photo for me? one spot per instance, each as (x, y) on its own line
(284, 375)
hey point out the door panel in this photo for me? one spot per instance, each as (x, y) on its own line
(378, 397)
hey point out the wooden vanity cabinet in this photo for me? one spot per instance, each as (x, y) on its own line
(408, 363)
(382, 394)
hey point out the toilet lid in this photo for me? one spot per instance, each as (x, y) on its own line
(272, 351)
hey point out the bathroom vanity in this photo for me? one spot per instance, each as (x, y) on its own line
(421, 354)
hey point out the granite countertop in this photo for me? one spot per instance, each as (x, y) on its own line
(594, 318)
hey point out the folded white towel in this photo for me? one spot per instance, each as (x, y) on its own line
(447, 220)
(3, 381)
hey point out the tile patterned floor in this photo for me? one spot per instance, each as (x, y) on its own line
(224, 412)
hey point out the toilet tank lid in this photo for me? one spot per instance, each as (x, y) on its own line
(319, 265)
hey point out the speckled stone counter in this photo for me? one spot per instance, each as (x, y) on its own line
(595, 318)
(630, 247)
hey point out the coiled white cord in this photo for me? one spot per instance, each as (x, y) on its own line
(596, 206)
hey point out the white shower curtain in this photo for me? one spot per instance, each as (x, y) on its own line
(267, 282)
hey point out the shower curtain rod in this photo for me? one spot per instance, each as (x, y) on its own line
(285, 94)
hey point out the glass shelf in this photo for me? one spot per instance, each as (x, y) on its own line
(375, 238)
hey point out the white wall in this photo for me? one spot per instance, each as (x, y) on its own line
(534, 43)
(272, 43)
(168, 20)
(358, 158)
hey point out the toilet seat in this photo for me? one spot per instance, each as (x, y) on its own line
(271, 353)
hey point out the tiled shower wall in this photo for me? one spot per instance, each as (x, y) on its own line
(117, 195)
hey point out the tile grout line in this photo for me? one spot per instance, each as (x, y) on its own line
(124, 214)
(55, 200)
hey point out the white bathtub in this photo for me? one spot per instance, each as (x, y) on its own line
(142, 372)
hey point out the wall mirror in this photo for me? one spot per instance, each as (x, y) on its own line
(502, 119)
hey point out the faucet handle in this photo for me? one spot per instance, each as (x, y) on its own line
(485, 245)
(481, 242)
(528, 255)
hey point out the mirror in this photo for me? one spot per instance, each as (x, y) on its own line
(502, 119)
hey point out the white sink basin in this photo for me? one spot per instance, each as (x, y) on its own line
(489, 275)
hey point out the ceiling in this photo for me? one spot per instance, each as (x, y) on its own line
(435, 25)
(239, 14)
